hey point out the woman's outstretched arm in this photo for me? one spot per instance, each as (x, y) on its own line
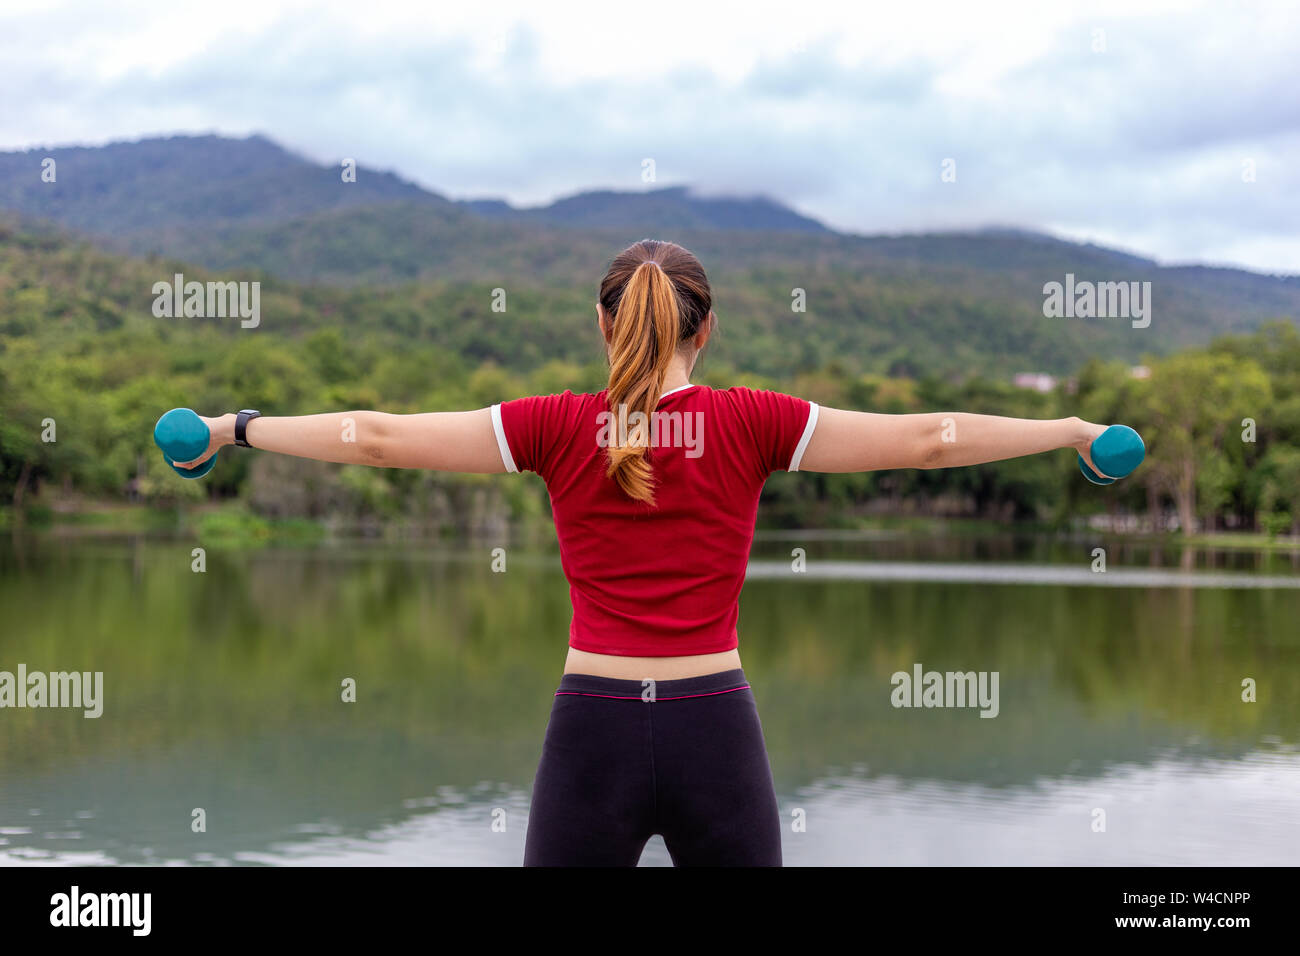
(862, 441)
(439, 441)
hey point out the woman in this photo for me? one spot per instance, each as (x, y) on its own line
(654, 485)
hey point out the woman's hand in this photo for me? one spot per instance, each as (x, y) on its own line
(1088, 433)
(222, 430)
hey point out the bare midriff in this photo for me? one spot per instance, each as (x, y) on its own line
(651, 668)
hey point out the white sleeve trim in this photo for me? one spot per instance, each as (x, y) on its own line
(503, 446)
(808, 430)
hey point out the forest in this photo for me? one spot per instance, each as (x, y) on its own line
(86, 368)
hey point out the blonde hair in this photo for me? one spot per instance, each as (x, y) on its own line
(656, 296)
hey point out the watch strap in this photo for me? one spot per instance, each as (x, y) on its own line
(245, 416)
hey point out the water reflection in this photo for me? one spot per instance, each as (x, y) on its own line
(1120, 691)
(1214, 812)
(1174, 812)
(1019, 574)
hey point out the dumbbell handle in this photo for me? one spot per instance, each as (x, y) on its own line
(183, 436)
(1116, 453)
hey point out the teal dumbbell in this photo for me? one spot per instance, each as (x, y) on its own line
(1117, 452)
(182, 436)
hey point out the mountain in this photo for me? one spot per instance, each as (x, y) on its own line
(126, 191)
(938, 303)
(671, 208)
(123, 192)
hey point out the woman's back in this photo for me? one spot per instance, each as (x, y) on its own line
(661, 579)
(654, 486)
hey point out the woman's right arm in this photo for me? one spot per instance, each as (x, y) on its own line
(439, 441)
(862, 441)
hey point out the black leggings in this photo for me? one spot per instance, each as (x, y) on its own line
(689, 765)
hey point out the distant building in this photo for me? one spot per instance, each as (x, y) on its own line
(1038, 381)
(1140, 371)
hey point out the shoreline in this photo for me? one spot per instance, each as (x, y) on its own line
(232, 521)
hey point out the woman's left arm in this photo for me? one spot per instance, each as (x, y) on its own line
(439, 441)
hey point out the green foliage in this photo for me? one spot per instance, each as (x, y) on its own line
(80, 348)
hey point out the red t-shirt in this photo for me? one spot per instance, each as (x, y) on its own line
(661, 580)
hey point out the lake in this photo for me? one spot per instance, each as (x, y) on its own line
(1121, 735)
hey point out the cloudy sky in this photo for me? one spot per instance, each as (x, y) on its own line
(1129, 123)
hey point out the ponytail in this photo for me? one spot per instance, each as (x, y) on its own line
(642, 344)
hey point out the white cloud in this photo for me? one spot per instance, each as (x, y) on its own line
(843, 111)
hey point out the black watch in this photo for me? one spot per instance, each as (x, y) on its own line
(245, 416)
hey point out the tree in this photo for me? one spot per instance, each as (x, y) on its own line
(1194, 399)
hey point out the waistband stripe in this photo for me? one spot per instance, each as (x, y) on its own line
(578, 693)
(679, 688)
